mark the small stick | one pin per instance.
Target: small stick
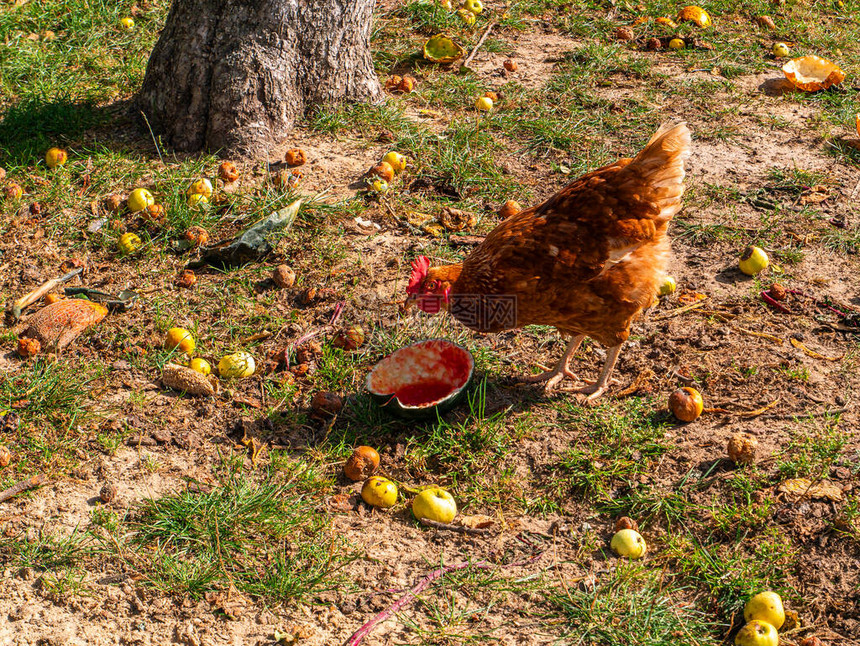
(455, 528)
(823, 413)
(680, 310)
(24, 485)
(478, 46)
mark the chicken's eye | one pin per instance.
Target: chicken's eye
(433, 285)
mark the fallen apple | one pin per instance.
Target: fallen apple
(284, 276)
(686, 404)
(668, 286)
(677, 43)
(129, 243)
(197, 236)
(228, 172)
(349, 338)
(475, 6)
(383, 170)
(395, 160)
(406, 85)
(379, 185)
(200, 365)
(484, 104)
(753, 261)
(197, 200)
(741, 448)
(237, 365)
(127, 23)
(178, 338)
(295, 157)
(629, 543)
(200, 187)
(56, 157)
(780, 50)
(379, 492)
(28, 347)
(13, 191)
(767, 607)
(326, 404)
(509, 208)
(139, 199)
(362, 464)
(186, 279)
(466, 16)
(757, 633)
(154, 214)
(510, 65)
(695, 14)
(434, 504)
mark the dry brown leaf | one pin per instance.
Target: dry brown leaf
(478, 521)
(815, 195)
(804, 487)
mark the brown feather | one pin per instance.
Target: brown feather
(589, 258)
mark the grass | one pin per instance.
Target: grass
(265, 540)
(631, 606)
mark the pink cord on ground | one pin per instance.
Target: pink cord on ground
(359, 635)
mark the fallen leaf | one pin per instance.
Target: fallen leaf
(804, 487)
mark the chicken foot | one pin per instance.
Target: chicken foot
(599, 387)
(562, 369)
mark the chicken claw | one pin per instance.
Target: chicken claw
(562, 369)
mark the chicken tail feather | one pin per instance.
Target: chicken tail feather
(659, 168)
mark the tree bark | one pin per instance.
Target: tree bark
(233, 75)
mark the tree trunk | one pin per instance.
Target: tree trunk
(235, 74)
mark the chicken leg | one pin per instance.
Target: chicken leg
(562, 369)
(596, 389)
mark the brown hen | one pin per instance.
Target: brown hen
(587, 261)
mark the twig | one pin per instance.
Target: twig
(822, 413)
(478, 46)
(677, 311)
(454, 528)
(24, 485)
(359, 635)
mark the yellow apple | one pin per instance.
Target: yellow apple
(379, 185)
(129, 243)
(179, 339)
(139, 199)
(780, 50)
(475, 6)
(676, 43)
(668, 286)
(753, 261)
(237, 365)
(395, 160)
(757, 633)
(197, 200)
(127, 23)
(200, 365)
(434, 504)
(201, 187)
(629, 543)
(484, 104)
(466, 16)
(56, 157)
(767, 607)
(379, 492)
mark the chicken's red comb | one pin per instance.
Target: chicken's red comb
(419, 271)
